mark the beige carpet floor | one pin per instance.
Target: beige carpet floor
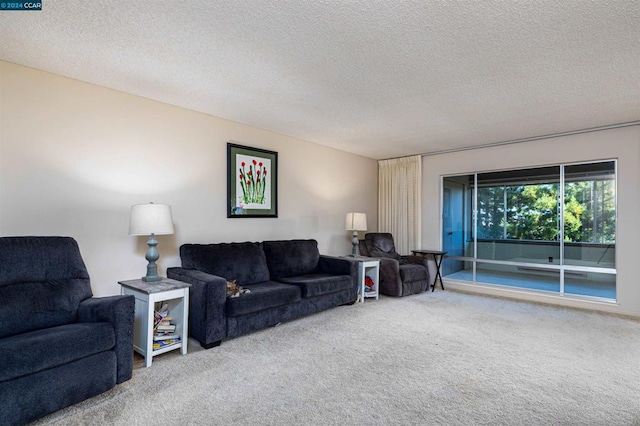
(442, 358)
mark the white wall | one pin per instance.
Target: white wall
(75, 157)
(622, 144)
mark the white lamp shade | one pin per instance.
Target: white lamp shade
(147, 219)
(355, 222)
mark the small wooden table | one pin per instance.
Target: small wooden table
(438, 256)
(176, 295)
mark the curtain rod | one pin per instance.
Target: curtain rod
(536, 138)
(529, 139)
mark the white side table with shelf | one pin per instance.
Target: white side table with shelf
(172, 292)
(368, 268)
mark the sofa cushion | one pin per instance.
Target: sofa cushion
(29, 306)
(312, 285)
(42, 281)
(290, 258)
(412, 272)
(40, 259)
(28, 398)
(243, 262)
(268, 294)
(39, 350)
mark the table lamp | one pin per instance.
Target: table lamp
(151, 219)
(355, 222)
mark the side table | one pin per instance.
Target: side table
(368, 268)
(438, 256)
(176, 295)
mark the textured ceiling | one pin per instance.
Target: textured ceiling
(377, 78)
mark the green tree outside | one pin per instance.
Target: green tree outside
(531, 212)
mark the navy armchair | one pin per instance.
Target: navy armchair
(58, 345)
(399, 275)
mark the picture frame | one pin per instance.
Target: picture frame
(252, 182)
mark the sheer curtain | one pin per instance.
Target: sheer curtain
(399, 201)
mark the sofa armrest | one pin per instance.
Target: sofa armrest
(341, 266)
(119, 311)
(207, 302)
(338, 265)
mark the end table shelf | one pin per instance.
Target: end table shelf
(172, 292)
(368, 269)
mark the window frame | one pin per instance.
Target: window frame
(562, 267)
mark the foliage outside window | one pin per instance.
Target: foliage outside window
(590, 212)
(530, 211)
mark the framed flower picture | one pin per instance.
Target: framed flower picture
(252, 182)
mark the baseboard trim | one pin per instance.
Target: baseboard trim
(539, 297)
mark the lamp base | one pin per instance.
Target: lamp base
(354, 242)
(152, 279)
(152, 256)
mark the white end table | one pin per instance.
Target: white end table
(368, 268)
(176, 295)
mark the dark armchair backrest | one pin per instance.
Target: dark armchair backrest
(42, 282)
(380, 244)
(362, 248)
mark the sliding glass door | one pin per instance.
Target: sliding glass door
(590, 229)
(457, 236)
(545, 228)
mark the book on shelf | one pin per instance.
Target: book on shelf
(159, 344)
(164, 309)
(157, 337)
(161, 318)
(161, 312)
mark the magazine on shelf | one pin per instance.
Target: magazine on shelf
(159, 344)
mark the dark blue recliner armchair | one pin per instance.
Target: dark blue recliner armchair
(58, 345)
(399, 275)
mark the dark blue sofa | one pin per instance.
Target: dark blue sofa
(58, 345)
(287, 279)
